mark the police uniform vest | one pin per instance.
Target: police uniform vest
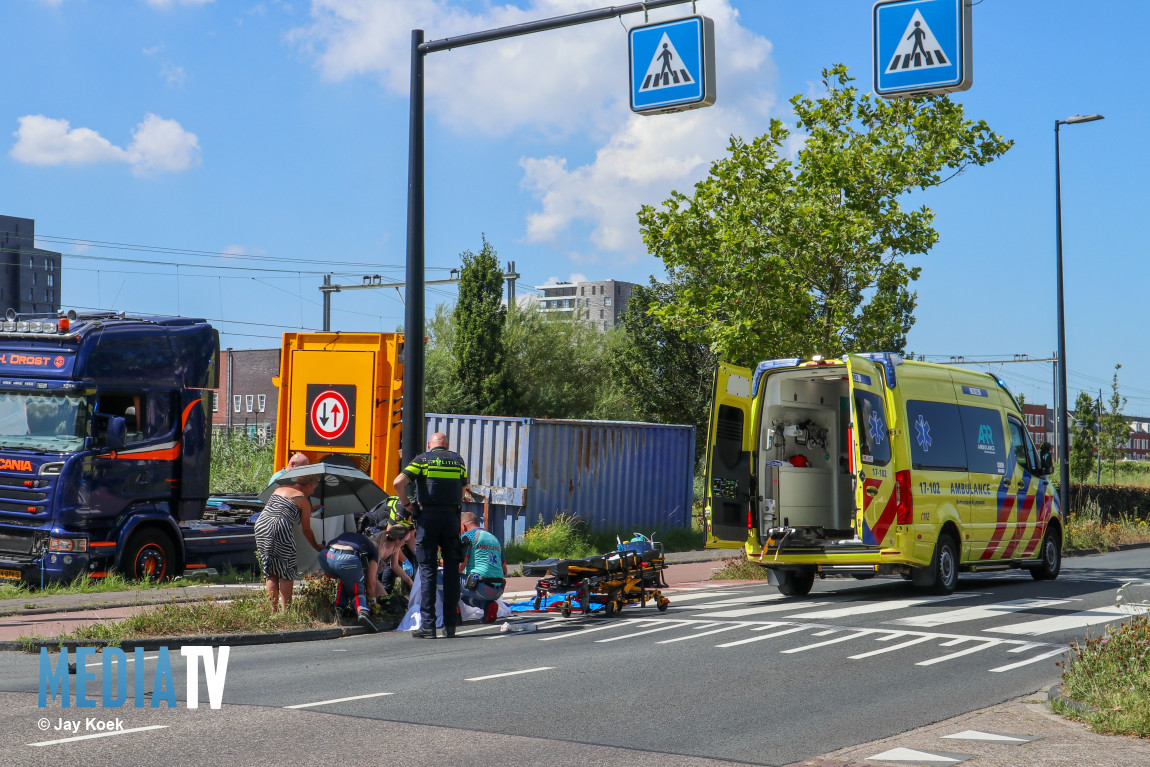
(439, 476)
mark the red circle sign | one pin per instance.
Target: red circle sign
(329, 415)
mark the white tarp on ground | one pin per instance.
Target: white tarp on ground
(412, 618)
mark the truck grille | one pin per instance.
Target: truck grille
(16, 542)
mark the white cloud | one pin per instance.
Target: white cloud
(158, 145)
(165, 4)
(41, 140)
(234, 251)
(560, 84)
(172, 74)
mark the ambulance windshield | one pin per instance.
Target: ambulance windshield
(43, 421)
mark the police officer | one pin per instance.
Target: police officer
(441, 484)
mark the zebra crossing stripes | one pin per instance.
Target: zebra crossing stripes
(817, 645)
(1068, 622)
(986, 645)
(981, 612)
(762, 637)
(892, 648)
(743, 612)
(878, 607)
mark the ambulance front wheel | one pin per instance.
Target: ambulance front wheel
(1051, 562)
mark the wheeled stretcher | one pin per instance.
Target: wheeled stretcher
(611, 580)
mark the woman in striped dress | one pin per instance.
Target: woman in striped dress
(275, 537)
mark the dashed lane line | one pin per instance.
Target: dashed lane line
(98, 735)
(509, 673)
(340, 700)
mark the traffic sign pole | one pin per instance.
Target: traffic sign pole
(414, 354)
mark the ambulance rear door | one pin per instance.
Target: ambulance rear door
(731, 443)
(870, 452)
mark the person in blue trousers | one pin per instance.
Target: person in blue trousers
(353, 560)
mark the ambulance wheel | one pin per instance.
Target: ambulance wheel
(798, 583)
(149, 556)
(1051, 562)
(944, 565)
(565, 610)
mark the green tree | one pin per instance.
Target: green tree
(1115, 432)
(773, 257)
(664, 377)
(1084, 443)
(478, 347)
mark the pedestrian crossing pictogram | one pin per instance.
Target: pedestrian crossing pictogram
(666, 68)
(919, 48)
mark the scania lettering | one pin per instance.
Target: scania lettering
(874, 465)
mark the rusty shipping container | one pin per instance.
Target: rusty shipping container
(630, 477)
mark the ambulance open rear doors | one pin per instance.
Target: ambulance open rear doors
(733, 440)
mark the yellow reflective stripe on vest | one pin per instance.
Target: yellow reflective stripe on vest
(451, 472)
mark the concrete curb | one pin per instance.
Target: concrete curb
(114, 605)
(1055, 693)
(215, 640)
(1119, 547)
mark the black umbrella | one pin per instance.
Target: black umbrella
(342, 489)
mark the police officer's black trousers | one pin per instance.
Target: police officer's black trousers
(438, 529)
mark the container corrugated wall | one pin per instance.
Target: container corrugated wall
(616, 475)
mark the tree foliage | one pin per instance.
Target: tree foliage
(1085, 438)
(478, 347)
(1114, 432)
(665, 377)
(773, 257)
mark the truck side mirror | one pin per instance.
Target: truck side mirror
(117, 433)
(1045, 459)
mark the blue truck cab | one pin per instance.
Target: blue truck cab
(105, 442)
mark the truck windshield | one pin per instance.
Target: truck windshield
(43, 421)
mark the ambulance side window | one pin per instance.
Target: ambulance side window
(870, 422)
(936, 437)
(1021, 445)
(729, 436)
(985, 449)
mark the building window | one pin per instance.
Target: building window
(237, 403)
(261, 402)
(31, 262)
(33, 278)
(215, 402)
(250, 401)
(51, 282)
(582, 290)
(49, 265)
(31, 297)
(607, 301)
(50, 296)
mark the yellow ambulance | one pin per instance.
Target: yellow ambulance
(874, 465)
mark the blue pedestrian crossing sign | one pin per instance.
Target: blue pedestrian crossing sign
(672, 65)
(921, 47)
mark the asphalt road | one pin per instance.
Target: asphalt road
(728, 673)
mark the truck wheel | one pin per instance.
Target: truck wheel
(797, 583)
(944, 566)
(149, 555)
(1051, 562)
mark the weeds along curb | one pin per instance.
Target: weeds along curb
(223, 597)
(214, 640)
(1119, 547)
(1055, 694)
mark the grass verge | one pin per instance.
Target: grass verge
(740, 569)
(1111, 672)
(116, 582)
(567, 536)
(1085, 531)
(246, 615)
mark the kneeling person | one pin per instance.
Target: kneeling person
(353, 560)
(483, 570)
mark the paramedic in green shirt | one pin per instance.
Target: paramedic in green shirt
(483, 572)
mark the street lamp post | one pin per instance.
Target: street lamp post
(1063, 429)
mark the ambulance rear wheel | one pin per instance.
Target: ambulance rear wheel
(945, 565)
(798, 583)
(1051, 562)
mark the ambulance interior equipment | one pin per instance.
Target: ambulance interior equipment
(806, 413)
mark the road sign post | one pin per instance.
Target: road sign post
(672, 65)
(921, 47)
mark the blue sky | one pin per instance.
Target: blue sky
(259, 144)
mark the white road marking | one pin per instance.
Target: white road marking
(764, 636)
(1025, 646)
(741, 600)
(509, 673)
(757, 610)
(581, 632)
(890, 636)
(892, 648)
(878, 607)
(960, 653)
(989, 737)
(670, 625)
(1068, 622)
(981, 612)
(99, 735)
(848, 637)
(953, 642)
(1028, 661)
(824, 633)
(340, 700)
(918, 757)
(728, 627)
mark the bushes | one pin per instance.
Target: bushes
(240, 464)
(1114, 502)
(565, 536)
